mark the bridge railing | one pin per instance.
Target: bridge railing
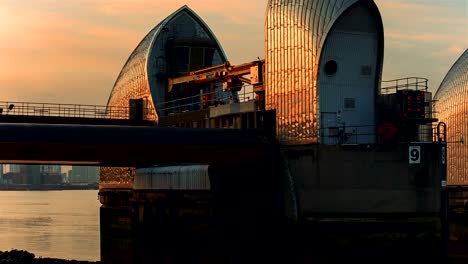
(62, 110)
(408, 83)
(205, 100)
(353, 134)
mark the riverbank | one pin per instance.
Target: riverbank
(48, 187)
(24, 257)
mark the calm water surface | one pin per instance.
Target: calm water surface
(56, 224)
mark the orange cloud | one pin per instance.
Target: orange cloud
(72, 51)
(450, 51)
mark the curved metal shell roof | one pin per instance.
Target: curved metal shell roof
(451, 107)
(458, 72)
(138, 78)
(295, 33)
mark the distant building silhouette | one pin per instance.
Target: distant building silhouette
(51, 174)
(14, 168)
(83, 174)
(51, 169)
(33, 174)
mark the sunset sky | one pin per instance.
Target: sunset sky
(71, 51)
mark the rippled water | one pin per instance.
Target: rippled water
(57, 224)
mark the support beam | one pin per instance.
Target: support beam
(128, 146)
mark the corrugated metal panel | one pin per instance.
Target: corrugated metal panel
(192, 177)
(295, 32)
(451, 107)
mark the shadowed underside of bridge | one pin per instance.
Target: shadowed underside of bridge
(128, 146)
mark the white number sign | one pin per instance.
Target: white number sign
(414, 154)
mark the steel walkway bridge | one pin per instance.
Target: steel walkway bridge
(127, 145)
(45, 133)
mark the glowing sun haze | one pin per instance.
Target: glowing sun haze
(71, 51)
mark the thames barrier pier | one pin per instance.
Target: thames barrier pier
(351, 156)
(306, 156)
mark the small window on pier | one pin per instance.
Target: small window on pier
(331, 67)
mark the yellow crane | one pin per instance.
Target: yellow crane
(232, 76)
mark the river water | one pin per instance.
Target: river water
(56, 224)
(66, 224)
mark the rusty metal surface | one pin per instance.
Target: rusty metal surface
(116, 177)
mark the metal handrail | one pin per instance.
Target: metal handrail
(408, 83)
(14, 108)
(192, 103)
(428, 134)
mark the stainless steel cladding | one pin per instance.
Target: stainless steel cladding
(451, 107)
(193, 177)
(323, 68)
(180, 43)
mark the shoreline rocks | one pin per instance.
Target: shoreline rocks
(15, 256)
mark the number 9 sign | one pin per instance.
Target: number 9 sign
(414, 154)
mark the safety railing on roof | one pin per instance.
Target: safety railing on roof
(205, 100)
(342, 134)
(62, 110)
(192, 103)
(409, 83)
(357, 134)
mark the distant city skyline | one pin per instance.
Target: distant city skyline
(72, 51)
(72, 174)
